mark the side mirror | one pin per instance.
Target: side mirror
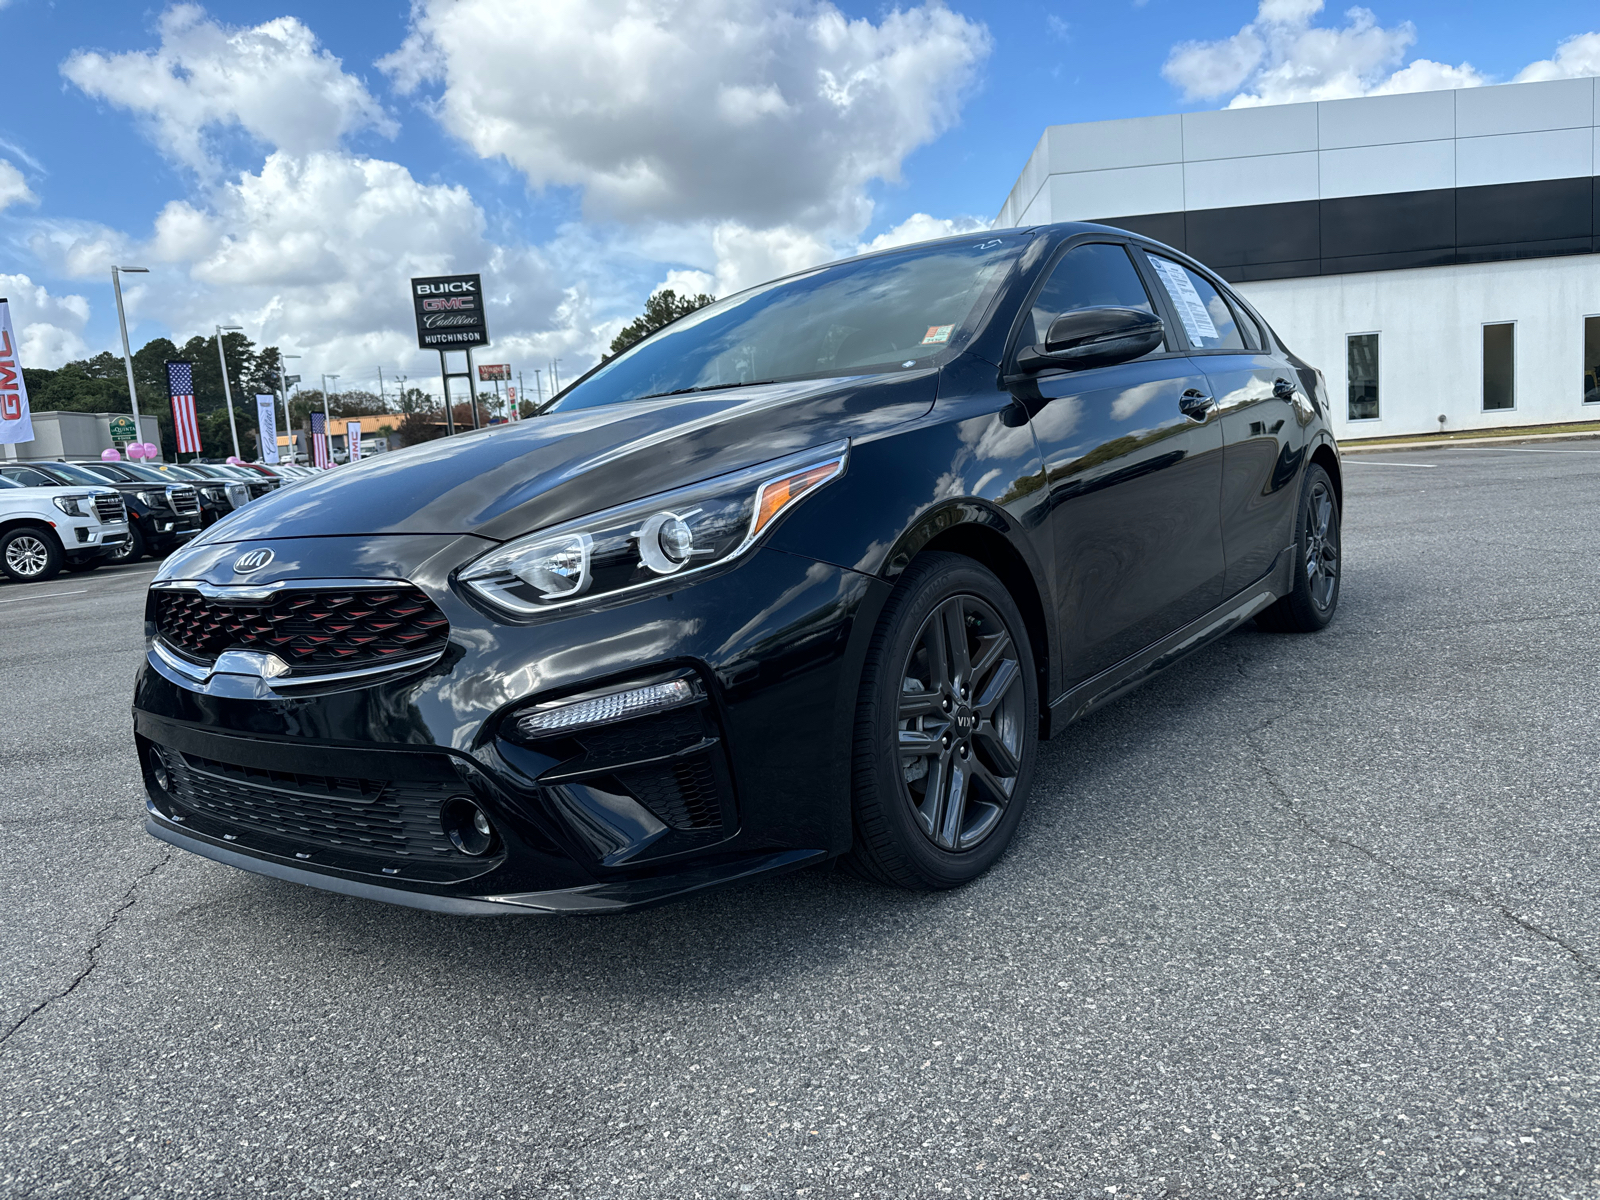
(1093, 337)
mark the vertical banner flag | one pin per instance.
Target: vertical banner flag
(180, 386)
(352, 438)
(16, 422)
(267, 423)
(319, 442)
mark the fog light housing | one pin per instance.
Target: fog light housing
(467, 826)
(605, 709)
(159, 772)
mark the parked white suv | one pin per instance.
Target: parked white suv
(43, 529)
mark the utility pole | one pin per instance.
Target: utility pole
(283, 386)
(127, 355)
(227, 388)
(538, 392)
(382, 399)
(327, 419)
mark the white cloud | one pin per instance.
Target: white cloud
(920, 227)
(1282, 57)
(715, 110)
(13, 187)
(49, 328)
(271, 80)
(1574, 58)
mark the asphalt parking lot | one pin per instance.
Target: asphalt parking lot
(1310, 916)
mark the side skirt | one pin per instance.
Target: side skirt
(1136, 669)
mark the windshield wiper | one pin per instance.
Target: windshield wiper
(710, 387)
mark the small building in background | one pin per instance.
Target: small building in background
(1434, 253)
(80, 435)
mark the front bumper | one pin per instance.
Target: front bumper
(343, 790)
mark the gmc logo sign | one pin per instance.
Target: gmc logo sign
(10, 393)
(450, 303)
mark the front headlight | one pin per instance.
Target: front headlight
(69, 505)
(633, 546)
(153, 499)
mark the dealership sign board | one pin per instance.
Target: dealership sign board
(491, 371)
(16, 422)
(267, 424)
(449, 312)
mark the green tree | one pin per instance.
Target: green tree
(661, 310)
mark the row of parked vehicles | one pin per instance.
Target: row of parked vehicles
(80, 515)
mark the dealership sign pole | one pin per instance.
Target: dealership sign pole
(267, 423)
(16, 421)
(450, 316)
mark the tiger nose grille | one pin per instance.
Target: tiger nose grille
(185, 501)
(354, 816)
(310, 630)
(109, 508)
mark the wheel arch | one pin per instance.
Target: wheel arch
(42, 524)
(980, 541)
(1327, 458)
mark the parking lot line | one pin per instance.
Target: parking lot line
(44, 596)
(1361, 462)
(1521, 450)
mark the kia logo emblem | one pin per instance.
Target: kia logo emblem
(253, 561)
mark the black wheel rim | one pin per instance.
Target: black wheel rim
(1322, 545)
(960, 731)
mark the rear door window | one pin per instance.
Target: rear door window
(1206, 317)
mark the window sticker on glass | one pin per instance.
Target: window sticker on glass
(1197, 322)
(937, 333)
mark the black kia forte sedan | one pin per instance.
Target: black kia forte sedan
(806, 574)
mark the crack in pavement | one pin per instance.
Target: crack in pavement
(129, 899)
(1289, 804)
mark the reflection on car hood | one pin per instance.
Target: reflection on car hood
(511, 479)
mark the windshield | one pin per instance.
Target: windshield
(887, 312)
(143, 473)
(77, 474)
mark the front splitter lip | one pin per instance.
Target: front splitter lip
(588, 900)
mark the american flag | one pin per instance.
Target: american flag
(319, 442)
(180, 386)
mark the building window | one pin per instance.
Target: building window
(1361, 371)
(1499, 366)
(1591, 360)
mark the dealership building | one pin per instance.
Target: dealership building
(1436, 254)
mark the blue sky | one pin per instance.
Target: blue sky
(955, 100)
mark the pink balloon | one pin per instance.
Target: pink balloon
(136, 450)
(151, 450)
(234, 460)
(110, 456)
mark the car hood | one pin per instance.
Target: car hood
(515, 478)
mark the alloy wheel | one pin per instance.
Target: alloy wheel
(960, 722)
(27, 556)
(1322, 545)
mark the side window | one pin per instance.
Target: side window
(1253, 335)
(1206, 317)
(29, 478)
(1091, 276)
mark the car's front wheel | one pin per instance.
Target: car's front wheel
(947, 728)
(130, 549)
(29, 555)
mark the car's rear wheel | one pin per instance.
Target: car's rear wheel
(29, 555)
(80, 565)
(1318, 561)
(947, 728)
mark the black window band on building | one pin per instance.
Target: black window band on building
(1447, 226)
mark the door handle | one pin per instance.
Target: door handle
(1283, 389)
(1195, 404)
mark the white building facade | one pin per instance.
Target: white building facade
(1436, 254)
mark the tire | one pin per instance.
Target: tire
(80, 565)
(920, 739)
(29, 554)
(1318, 561)
(129, 551)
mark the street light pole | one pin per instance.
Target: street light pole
(127, 354)
(283, 386)
(327, 418)
(227, 388)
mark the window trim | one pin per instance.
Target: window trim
(1582, 366)
(1377, 333)
(1483, 406)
